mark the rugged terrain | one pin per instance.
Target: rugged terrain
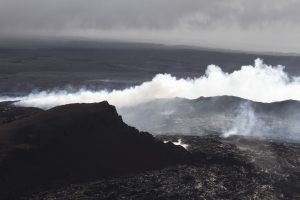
(10, 113)
(74, 143)
(179, 116)
(40, 160)
(233, 168)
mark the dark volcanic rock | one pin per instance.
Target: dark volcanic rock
(232, 168)
(76, 142)
(10, 113)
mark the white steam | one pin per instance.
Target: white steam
(245, 123)
(260, 125)
(179, 143)
(261, 83)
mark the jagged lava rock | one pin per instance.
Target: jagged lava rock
(77, 142)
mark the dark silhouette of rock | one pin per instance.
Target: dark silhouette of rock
(73, 143)
(10, 113)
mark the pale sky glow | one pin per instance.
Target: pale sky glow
(257, 25)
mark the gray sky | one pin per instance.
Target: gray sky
(256, 25)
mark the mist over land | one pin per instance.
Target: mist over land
(26, 70)
(133, 77)
(260, 82)
(257, 140)
(161, 99)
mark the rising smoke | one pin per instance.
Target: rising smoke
(261, 83)
(225, 116)
(245, 122)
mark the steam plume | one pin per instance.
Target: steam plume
(261, 83)
(249, 123)
(245, 122)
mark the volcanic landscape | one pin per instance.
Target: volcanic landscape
(93, 123)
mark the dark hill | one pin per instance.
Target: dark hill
(76, 142)
(10, 113)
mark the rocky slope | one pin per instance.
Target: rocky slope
(74, 143)
(86, 151)
(9, 112)
(233, 168)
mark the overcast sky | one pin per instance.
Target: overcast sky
(256, 25)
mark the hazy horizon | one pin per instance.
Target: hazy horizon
(258, 26)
